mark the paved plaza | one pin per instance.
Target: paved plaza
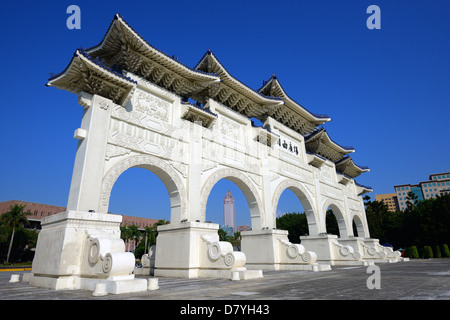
(413, 280)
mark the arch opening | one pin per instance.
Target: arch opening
(242, 187)
(335, 221)
(143, 201)
(162, 172)
(291, 216)
(227, 207)
(296, 196)
(358, 227)
(140, 193)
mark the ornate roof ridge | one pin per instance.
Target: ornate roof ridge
(199, 107)
(275, 79)
(348, 158)
(170, 59)
(365, 188)
(96, 61)
(118, 86)
(324, 131)
(228, 74)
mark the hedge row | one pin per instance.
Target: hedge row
(427, 252)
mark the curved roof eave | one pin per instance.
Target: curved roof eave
(322, 131)
(237, 84)
(94, 63)
(321, 119)
(175, 64)
(363, 189)
(349, 159)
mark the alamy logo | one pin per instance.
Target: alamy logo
(74, 20)
(374, 281)
(374, 21)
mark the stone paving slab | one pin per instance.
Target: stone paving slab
(413, 280)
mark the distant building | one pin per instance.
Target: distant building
(228, 230)
(243, 228)
(437, 185)
(37, 211)
(228, 211)
(390, 200)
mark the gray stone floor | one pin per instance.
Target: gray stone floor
(413, 280)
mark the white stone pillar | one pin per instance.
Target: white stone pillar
(321, 221)
(87, 174)
(364, 218)
(195, 171)
(348, 218)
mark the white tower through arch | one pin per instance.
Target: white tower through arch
(229, 218)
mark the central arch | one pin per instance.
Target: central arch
(161, 169)
(245, 185)
(302, 194)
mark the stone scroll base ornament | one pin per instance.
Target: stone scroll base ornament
(193, 250)
(278, 253)
(85, 250)
(331, 250)
(375, 252)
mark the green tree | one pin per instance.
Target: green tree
(236, 239)
(412, 252)
(128, 233)
(15, 218)
(428, 252)
(376, 213)
(147, 238)
(223, 236)
(295, 223)
(153, 234)
(331, 223)
(437, 252)
(411, 200)
(445, 251)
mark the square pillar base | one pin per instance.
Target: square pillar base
(193, 250)
(66, 259)
(270, 249)
(330, 250)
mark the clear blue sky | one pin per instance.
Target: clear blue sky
(387, 91)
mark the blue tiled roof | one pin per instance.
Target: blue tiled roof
(199, 107)
(317, 155)
(96, 61)
(363, 186)
(312, 134)
(347, 158)
(117, 16)
(274, 77)
(209, 52)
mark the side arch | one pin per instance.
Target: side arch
(161, 169)
(307, 202)
(247, 187)
(340, 215)
(360, 227)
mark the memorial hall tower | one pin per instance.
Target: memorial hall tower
(228, 211)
